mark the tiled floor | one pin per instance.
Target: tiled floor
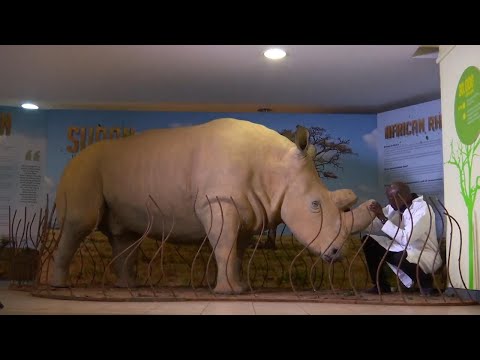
(22, 303)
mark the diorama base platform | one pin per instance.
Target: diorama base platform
(147, 294)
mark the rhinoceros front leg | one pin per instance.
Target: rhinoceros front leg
(228, 251)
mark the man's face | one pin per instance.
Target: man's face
(394, 199)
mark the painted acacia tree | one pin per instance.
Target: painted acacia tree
(329, 150)
(462, 159)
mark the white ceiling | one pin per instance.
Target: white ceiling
(312, 78)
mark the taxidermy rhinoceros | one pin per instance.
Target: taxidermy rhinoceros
(226, 178)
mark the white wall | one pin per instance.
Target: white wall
(453, 61)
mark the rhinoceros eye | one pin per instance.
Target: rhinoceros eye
(315, 206)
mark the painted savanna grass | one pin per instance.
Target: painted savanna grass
(267, 269)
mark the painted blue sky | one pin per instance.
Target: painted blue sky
(27, 122)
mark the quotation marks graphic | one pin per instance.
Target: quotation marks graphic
(35, 157)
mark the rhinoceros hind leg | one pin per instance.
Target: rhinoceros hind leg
(72, 236)
(124, 264)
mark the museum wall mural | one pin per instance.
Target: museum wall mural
(347, 144)
(23, 158)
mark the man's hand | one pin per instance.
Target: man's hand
(376, 208)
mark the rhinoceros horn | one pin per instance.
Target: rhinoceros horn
(361, 215)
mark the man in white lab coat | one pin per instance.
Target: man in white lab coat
(406, 224)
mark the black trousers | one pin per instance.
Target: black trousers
(374, 253)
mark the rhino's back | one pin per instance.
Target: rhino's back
(172, 166)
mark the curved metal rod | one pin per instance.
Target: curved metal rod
(450, 250)
(450, 217)
(41, 250)
(459, 261)
(404, 252)
(10, 229)
(177, 250)
(440, 215)
(160, 249)
(253, 254)
(266, 263)
(216, 243)
(16, 237)
(239, 226)
(138, 243)
(342, 245)
(30, 231)
(79, 275)
(99, 255)
(9, 224)
(305, 247)
(330, 265)
(124, 251)
(284, 250)
(292, 245)
(52, 247)
(344, 272)
(41, 218)
(357, 253)
(440, 242)
(382, 261)
(25, 226)
(421, 252)
(201, 257)
(89, 237)
(201, 245)
(55, 240)
(279, 261)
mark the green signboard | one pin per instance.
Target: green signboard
(467, 105)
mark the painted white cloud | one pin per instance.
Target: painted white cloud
(174, 125)
(366, 189)
(21, 149)
(372, 138)
(23, 142)
(49, 184)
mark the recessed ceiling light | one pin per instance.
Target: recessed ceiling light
(275, 54)
(29, 106)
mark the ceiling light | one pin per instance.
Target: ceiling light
(29, 106)
(275, 54)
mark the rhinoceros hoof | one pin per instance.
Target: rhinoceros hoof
(229, 289)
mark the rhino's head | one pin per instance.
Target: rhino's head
(318, 218)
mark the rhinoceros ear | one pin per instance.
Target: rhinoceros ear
(301, 139)
(312, 151)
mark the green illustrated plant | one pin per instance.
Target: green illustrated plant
(462, 159)
(467, 125)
